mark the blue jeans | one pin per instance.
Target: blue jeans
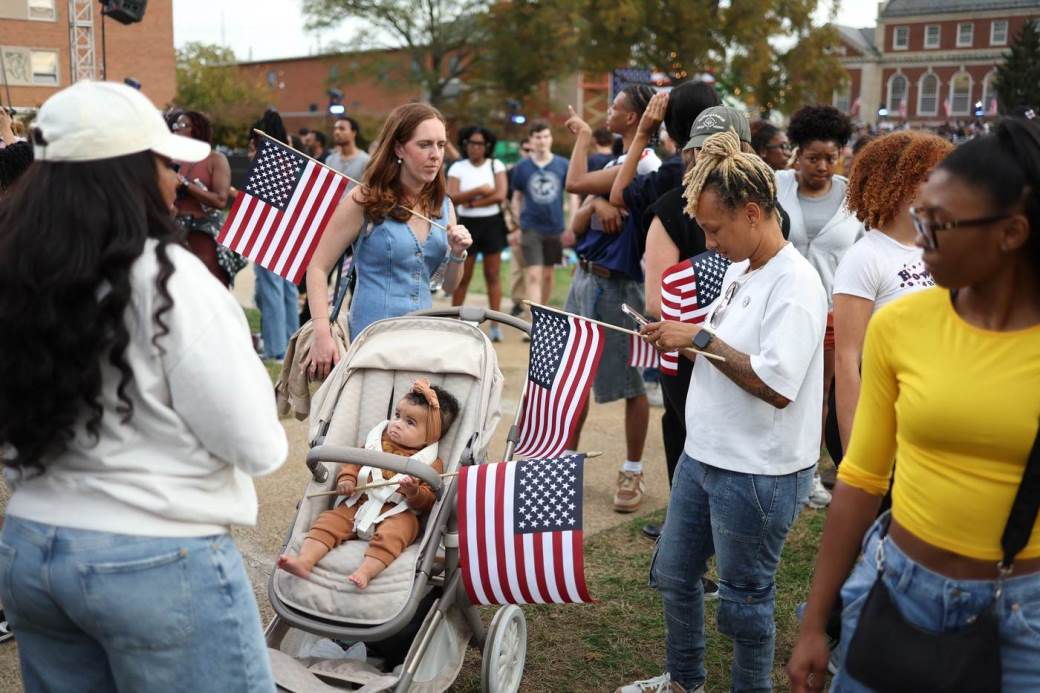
(278, 301)
(743, 520)
(937, 603)
(94, 611)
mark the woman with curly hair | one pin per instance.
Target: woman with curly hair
(822, 228)
(133, 413)
(477, 184)
(395, 252)
(950, 403)
(885, 264)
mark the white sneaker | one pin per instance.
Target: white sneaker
(819, 497)
(653, 394)
(658, 684)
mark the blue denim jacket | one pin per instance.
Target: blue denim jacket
(394, 271)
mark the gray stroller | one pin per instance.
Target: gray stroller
(408, 631)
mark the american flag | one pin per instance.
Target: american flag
(520, 532)
(279, 216)
(565, 351)
(641, 354)
(687, 291)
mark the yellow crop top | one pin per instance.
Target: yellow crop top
(957, 407)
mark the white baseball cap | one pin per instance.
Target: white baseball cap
(102, 120)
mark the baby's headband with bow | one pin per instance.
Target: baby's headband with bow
(433, 414)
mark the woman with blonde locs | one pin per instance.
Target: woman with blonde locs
(752, 424)
(395, 251)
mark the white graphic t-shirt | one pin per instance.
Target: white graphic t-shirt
(881, 270)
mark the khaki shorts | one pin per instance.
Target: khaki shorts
(541, 250)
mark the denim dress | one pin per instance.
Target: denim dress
(394, 271)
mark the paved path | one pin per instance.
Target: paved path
(279, 492)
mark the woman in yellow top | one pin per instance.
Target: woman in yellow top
(951, 390)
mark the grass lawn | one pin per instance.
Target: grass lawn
(561, 284)
(598, 647)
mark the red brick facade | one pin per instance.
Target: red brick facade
(929, 68)
(143, 51)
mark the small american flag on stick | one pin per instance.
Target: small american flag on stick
(282, 211)
(520, 532)
(687, 291)
(565, 352)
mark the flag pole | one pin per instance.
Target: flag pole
(381, 484)
(352, 180)
(616, 328)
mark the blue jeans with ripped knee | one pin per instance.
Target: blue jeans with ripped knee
(743, 520)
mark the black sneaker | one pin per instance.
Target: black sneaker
(517, 310)
(652, 531)
(711, 589)
(5, 630)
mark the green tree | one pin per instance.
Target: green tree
(767, 53)
(209, 82)
(1018, 79)
(443, 37)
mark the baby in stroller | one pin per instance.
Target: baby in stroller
(386, 516)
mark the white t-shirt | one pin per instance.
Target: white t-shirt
(777, 317)
(204, 422)
(881, 269)
(471, 177)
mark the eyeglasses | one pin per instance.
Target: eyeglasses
(180, 126)
(478, 143)
(720, 311)
(927, 228)
(785, 147)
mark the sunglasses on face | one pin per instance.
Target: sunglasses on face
(928, 228)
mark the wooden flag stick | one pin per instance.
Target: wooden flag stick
(618, 329)
(352, 180)
(447, 475)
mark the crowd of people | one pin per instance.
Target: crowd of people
(880, 299)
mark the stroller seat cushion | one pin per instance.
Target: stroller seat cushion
(327, 593)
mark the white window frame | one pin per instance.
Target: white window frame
(971, 39)
(888, 95)
(57, 68)
(43, 5)
(896, 46)
(920, 95)
(988, 90)
(969, 111)
(993, 31)
(842, 96)
(938, 35)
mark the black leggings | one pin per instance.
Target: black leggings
(673, 420)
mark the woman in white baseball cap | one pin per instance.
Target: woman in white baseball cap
(133, 413)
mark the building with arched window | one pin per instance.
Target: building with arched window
(929, 61)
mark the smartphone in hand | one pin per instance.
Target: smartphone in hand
(634, 314)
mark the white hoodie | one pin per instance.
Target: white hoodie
(204, 422)
(826, 250)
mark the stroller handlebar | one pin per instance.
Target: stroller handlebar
(372, 458)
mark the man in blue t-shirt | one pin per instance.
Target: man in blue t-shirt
(538, 191)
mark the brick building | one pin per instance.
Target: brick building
(49, 44)
(929, 61)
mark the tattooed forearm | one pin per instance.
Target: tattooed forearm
(737, 367)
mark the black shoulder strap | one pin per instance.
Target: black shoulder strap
(1023, 511)
(343, 282)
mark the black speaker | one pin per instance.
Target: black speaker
(124, 11)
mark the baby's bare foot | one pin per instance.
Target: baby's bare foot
(359, 579)
(294, 565)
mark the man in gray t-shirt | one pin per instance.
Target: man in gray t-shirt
(347, 158)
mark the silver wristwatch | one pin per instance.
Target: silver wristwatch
(458, 258)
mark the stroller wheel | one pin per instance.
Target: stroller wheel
(505, 651)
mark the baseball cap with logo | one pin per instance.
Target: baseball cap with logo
(715, 120)
(103, 120)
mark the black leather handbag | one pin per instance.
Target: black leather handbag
(891, 655)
